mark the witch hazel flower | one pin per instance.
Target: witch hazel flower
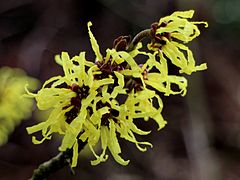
(121, 66)
(69, 97)
(86, 104)
(167, 35)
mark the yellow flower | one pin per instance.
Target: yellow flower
(68, 96)
(13, 106)
(168, 32)
(121, 66)
(109, 119)
(84, 103)
(129, 76)
(159, 79)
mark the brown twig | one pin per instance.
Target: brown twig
(56, 163)
(141, 35)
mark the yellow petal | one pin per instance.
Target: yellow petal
(94, 44)
(50, 97)
(184, 14)
(113, 145)
(115, 56)
(75, 154)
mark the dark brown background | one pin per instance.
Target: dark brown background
(202, 138)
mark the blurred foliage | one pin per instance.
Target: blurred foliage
(13, 106)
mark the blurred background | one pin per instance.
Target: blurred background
(202, 138)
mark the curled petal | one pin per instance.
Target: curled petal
(94, 44)
(50, 97)
(75, 154)
(113, 145)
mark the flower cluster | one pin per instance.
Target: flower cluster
(87, 101)
(171, 29)
(13, 107)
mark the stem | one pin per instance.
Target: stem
(56, 163)
(143, 34)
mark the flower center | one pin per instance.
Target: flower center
(82, 93)
(107, 68)
(111, 115)
(135, 83)
(157, 39)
